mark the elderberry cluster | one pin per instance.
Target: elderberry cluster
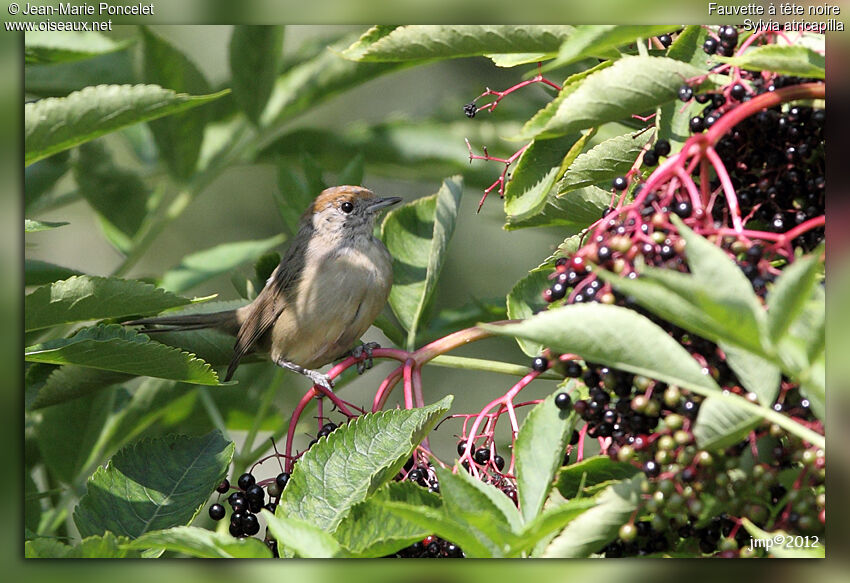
(431, 547)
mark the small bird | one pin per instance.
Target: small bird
(327, 290)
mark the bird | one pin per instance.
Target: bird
(329, 287)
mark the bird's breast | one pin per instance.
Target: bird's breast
(340, 294)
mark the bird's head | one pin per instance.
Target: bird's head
(350, 210)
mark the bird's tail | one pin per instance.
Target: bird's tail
(225, 321)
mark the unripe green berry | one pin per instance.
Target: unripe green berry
(674, 422)
(625, 454)
(704, 459)
(666, 442)
(628, 532)
(672, 396)
(682, 437)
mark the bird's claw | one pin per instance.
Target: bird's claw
(322, 380)
(358, 352)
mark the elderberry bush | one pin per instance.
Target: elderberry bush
(670, 394)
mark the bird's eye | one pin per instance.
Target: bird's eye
(346, 207)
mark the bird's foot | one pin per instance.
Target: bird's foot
(317, 377)
(358, 352)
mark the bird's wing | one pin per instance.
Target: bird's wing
(265, 310)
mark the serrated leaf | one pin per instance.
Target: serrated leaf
(118, 194)
(31, 226)
(785, 60)
(603, 97)
(178, 137)
(152, 485)
(40, 179)
(597, 526)
(552, 520)
(720, 424)
(447, 527)
(465, 503)
(789, 294)
(576, 210)
(123, 350)
(606, 160)
(417, 235)
(316, 80)
(524, 300)
(756, 374)
(41, 272)
(782, 543)
(46, 548)
(416, 42)
(201, 266)
(688, 46)
(88, 297)
(68, 433)
(64, 383)
(370, 530)
(508, 60)
(353, 462)
(256, 55)
(589, 472)
(614, 336)
(303, 538)
(202, 543)
(539, 449)
(55, 124)
(539, 167)
(64, 46)
(590, 40)
(508, 515)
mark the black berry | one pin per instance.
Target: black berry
(246, 480)
(217, 512)
(563, 401)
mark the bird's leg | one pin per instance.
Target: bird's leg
(317, 377)
(365, 348)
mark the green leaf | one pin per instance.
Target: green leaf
(720, 424)
(485, 521)
(450, 320)
(589, 472)
(256, 55)
(316, 80)
(406, 43)
(789, 294)
(46, 548)
(608, 159)
(178, 137)
(304, 538)
(32, 501)
(291, 196)
(353, 171)
(785, 60)
(41, 178)
(41, 272)
(599, 525)
(61, 46)
(202, 543)
(154, 484)
(525, 299)
(552, 520)
(107, 546)
(539, 449)
(596, 40)
(118, 194)
(371, 530)
(31, 226)
(63, 383)
(515, 59)
(447, 527)
(756, 374)
(614, 336)
(781, 543)
(55, 124)
(417, 235)
(539, 167)
(688, 47)
(87, 297)
(353, 462)
(603, 96)
(203, 265)
(68, 434)
(120, 349)
(577, 210)
(60, 79)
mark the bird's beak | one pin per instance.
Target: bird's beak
(382, 203)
